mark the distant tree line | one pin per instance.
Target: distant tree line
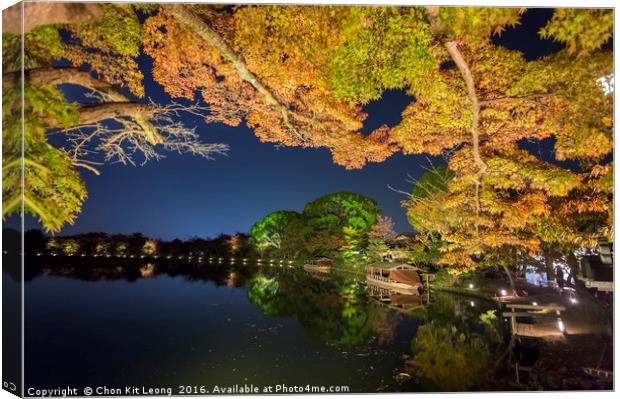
(136, 244)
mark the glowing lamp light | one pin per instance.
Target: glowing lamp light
(472, 304)
(534, 303)
(503, 293)
(573, 300)
(471, 286)
(561, 325)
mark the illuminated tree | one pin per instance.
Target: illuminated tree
(503, 203)
(341, 218)
(70, 246)
(102, 248)
(238, 61)
(274, 230)
(378, 237)
(112, 126)
(150, 247)
(383, 229)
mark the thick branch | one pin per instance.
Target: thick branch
(91, 114)
(39, 13)
(94, 113)
(54, 76)
(186, 17)
(441, 31)
(444, 35)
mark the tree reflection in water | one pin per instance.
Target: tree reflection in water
(452, 347)
(333, 311)
(455, 349)
(263, 291)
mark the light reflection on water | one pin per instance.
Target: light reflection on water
(171, 325)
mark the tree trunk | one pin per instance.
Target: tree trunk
(38, 14)
(573, 264)
(513, 286)
(549, 258)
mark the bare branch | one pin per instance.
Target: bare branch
(126, 130)
(400, 191)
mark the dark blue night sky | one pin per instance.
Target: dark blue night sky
(183, 196)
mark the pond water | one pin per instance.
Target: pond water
(160, 326)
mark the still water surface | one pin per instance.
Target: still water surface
(230, 325)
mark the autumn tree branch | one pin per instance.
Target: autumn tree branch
(185, 16)
(439, 30)
(531, 97)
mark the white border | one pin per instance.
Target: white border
(501, 3)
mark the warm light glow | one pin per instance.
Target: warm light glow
(535, 303)
(503, 293)
(471, 286)
(561, 325)
(606, 83)
(573, 300)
